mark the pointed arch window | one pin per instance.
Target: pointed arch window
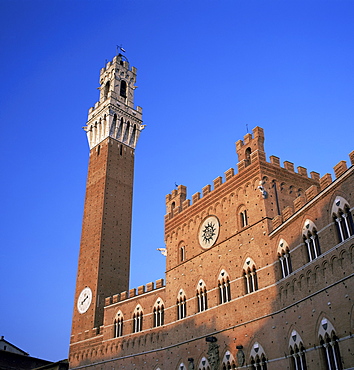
(258, 358)
(343, 219)
(228, 361)
(224, 287)
(181, 305)
(118, 325)
(159, 315)
(250, 276)
(329, 344)
(311, 241)
(123, 89)
(202, 297)
(243, 218)
(297, 352)
(182, 253)
(284, 258)
(137, 319)
(204, 364)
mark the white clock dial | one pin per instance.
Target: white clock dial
(84, 300)
(208, 232)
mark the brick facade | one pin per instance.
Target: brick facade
(259, 274)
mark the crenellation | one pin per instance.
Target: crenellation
(277, 221)
(115, 298)
(263, 244)
(247, 139)
(287, 212)
(123, 295)
(186, 204)
(229, 174)
(195, 197)
(315, 176)
(340, 168)
(351, 157)
(275, 160)
(325, 180)
(175, 199)
(206, 190)
(289, 166)
(257, 155)
(302, 171)
(299, 202)
(159, 283)
(311, 192)
(217, 182)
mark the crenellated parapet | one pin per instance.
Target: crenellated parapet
(310, 193)
(177, 202)
(134, 292)
(250, 149)
(114, 114)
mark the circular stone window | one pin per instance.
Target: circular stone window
(208, 232)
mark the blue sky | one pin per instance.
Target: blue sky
(207, 70)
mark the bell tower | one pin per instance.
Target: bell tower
(113, 129)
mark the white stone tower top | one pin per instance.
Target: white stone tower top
(114, 114)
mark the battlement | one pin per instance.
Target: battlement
(142, 289)
(251, 148)
(118, 60)
(310, 193)
(177, 202)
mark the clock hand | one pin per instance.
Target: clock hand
(84, 300)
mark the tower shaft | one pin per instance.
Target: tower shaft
(112, 129)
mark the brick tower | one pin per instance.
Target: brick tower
(113, 130)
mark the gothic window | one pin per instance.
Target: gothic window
(204, 364)
(258, 363)
(224, 287)
(118, 325)
(243, 217)
(284, 258)
(202, 296)
(250, 276)
(329, 343)
(297, 352)
(123, 89)
(258, 358)
(228, 361)
(181, 305)
(311, 241)
(158, 313)
(343, 219)
(182, 253)
(137, 319)
(248, 156)
(106, 90)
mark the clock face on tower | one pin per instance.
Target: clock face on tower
(208, 232)
(84, 300)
